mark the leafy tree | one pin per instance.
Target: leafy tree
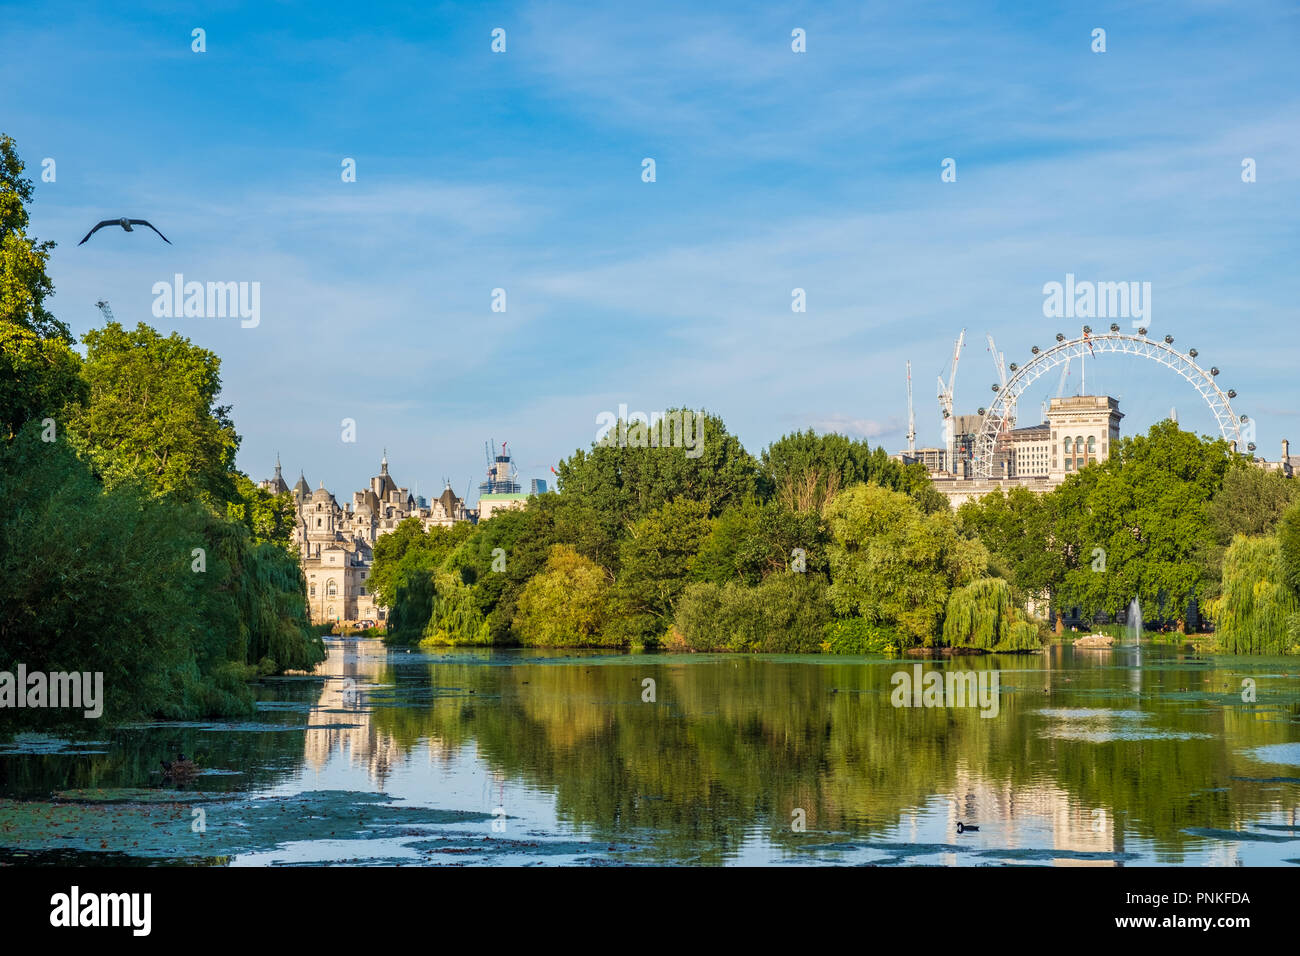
(39, 377)
(389, 550)
(1133, 526)
(410, 608)
(454, 617)
(892, 564)
(1288, 536)
(1251, 502)
(268, 517)
(152, 416)
(565, 605)
(621, 485)
(1017, 529)
(24, 281)
(803, 470)
(1259, 612)
(753, 539)
(983, 615)
(655, 563)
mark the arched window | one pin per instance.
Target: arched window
(1092, 446)
(1067, 444)
(313, 590)
(331, 589)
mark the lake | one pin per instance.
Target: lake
(1135, 755)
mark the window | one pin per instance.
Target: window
(331, 589)
(1092, 446)
(313, 590)
(1067, 446)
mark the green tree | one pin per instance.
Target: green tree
(802, 470)
(983, 615)
(1017, 528)
(1288, 535)
(152, 417)
(1258, 612)
(38, 378)
(753, 539)
(1250, 502)
(24, 281)
(389, 550)
(268, 517)
(564, 605)
(892, 564)
(621, 485)
(654, 567)
(1134, 525)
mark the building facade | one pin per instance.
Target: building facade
(1079, 431)
(336, 542)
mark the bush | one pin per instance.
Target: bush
(786, 613)
(855, 635)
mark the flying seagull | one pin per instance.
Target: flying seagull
(125, 224)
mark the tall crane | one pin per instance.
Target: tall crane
(1000, 361)
(1060, 387)
(911, 418)
(945, 402)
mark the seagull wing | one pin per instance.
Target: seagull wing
(106, 222)
(145, 222)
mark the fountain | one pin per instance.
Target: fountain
(1135, 621)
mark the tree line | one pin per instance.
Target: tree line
(823, 543)
(129, 542)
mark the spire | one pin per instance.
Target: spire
(383, 463)
(277, 465)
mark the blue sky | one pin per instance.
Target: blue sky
(775, 170)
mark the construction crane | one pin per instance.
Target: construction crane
(911, 418)
(102, 305)
(1060, 388)
(1000, 361)
(945, 401)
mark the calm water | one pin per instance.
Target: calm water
(1100, 757)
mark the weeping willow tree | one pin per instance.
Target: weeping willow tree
(983, 615)
(413, 596)
(265, 598)
(1258, 612)
(454, 617)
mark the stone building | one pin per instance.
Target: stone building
(336, 542)
(1079, 430)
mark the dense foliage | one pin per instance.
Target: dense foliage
(129, 544)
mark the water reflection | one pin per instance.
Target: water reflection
(1091, 759)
